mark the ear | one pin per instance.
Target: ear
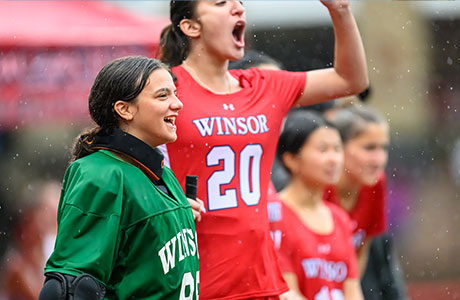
(190, 28)
(290, 162)
(125, 110)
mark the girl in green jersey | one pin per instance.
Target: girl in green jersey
(125, 227)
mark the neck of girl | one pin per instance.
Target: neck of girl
(298, 193)
(211, 72)
(348, 192)
(207, 66)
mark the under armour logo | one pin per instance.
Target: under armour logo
(324, 248)
(228, 106)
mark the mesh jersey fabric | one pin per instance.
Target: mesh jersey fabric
(116, 225)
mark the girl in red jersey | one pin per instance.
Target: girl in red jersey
(312, 236)
(361, 188)
(361, 191)
(228, 131)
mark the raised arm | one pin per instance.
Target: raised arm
(349, 74)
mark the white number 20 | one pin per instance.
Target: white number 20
(249, 169)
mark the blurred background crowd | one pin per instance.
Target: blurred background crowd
(51, 51)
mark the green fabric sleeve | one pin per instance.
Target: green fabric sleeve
(88, 224)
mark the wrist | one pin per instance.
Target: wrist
(339, 10)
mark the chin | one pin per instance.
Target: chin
(172, 138)
(330, 181)
(241, 54)
(371, 180)
(166, 139)
(237, 56)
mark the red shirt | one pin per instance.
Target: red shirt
(229, 141)
(368, 215)
(321, 262)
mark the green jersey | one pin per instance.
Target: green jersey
(116, 225)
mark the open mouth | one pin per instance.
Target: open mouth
(331, 172)
(238, 33)
(171, 121)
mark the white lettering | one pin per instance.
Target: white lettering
(191, 242)
(230, 124)
(185, 242)
(227, 126)
(274, 211)
(341, 271)
(187, 281)
(219, 125)
(170, 260)
(179, 240)
(197, 284)
(263, 123)
(276, 237)
(203, 126)
(241, 123)
(186, 246)
(327, 270)
(311, 267)
(256, 125)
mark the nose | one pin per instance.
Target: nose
(336, 158)
(176, 104)
(380, 158)
(237, 8)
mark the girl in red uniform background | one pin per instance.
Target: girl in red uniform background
(362, 192)
(228, 131)
(312, 236)
(361, 188)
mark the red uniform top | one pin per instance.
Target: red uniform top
(368, 215)
(321, 262)
(229, 141)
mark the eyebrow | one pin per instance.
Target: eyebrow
(163, 90)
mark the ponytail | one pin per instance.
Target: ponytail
(174, 46)
(82, 143)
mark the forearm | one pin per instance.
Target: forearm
(363, 256)
(349, 74)
(352, 289)
(349, 56)
(291, 280)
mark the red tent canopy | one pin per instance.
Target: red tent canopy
(51, 51)
(74, 23)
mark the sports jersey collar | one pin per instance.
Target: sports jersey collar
(149, 160)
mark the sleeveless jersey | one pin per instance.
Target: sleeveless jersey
(116, 225)
(229, 142)
(368, 215)
(321, 262)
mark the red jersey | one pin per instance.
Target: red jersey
(368, 215)
(321, 262)
(229, 141)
